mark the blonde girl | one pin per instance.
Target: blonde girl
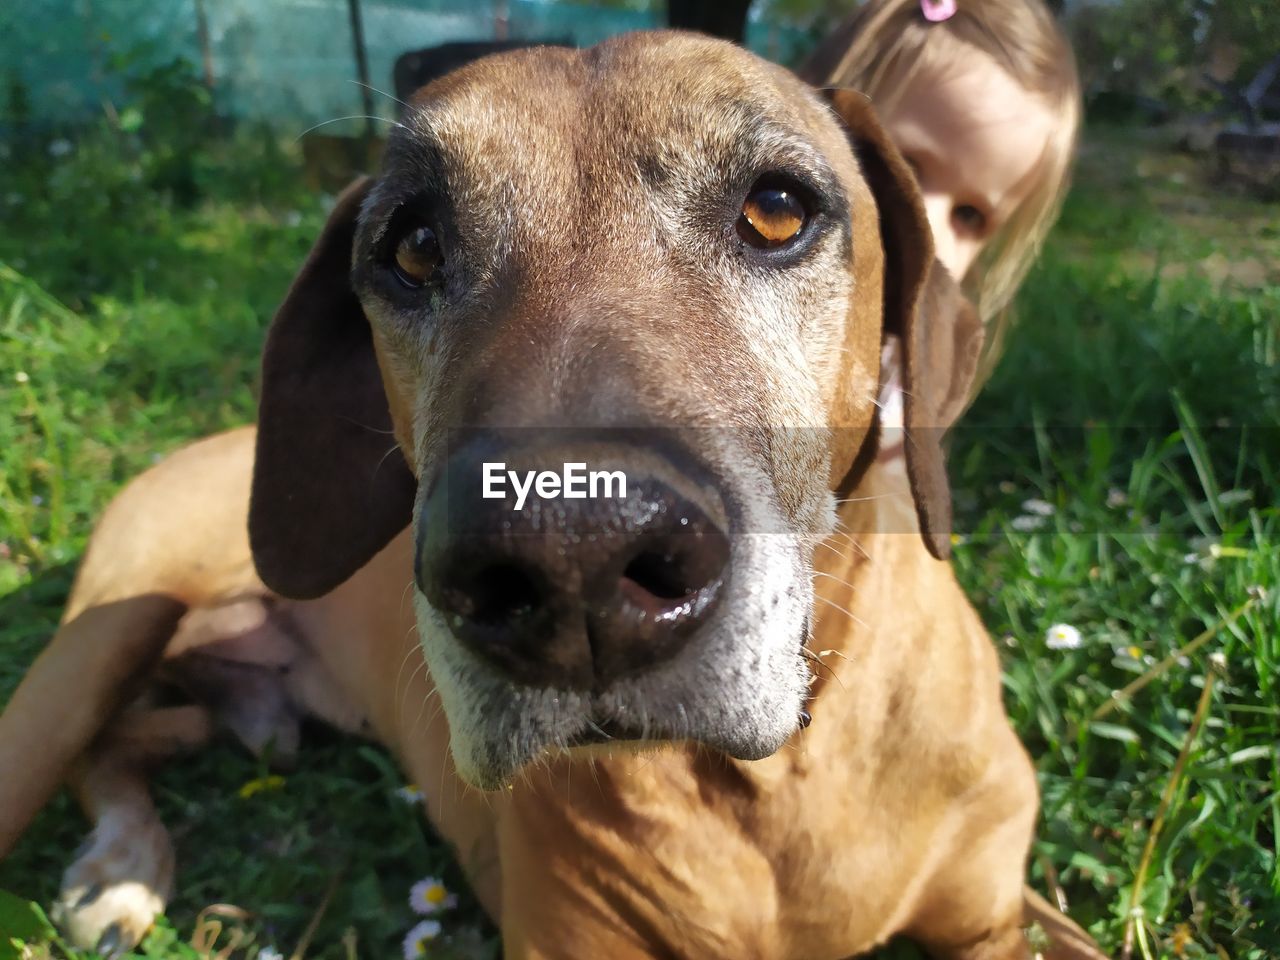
(983, 99)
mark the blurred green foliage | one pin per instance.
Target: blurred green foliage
(1162, 48)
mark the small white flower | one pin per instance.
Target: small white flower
(1201, 545)
(1027, 523)
(1063, 636)
(431, 896)
(1040, 508)
(1230, 498)
(22, 376)
(1116, 498)
(409, 793)
(1131, 653)
(270, 953)
(416, 940)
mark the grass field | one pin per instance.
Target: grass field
(1119, 475)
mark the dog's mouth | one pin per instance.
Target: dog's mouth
(602, 732)
(738, 687)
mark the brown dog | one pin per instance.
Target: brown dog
(661, 257)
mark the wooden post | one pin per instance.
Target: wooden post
(206, 51)
(720, 18)
(501, 19)
(362, 71)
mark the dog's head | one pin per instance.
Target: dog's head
(662, 258)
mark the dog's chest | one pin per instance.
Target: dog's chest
(776, 864)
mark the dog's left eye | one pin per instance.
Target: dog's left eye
(417, 257)
(771, 217)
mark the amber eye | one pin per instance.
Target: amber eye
(417, 257)
(771, 216)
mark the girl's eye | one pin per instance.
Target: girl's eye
(418, 257)
(771, 217)
(970, 219)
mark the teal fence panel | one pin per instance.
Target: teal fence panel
(287, 62)
(63, 59)
(582, 24)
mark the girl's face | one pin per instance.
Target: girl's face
(975, 138)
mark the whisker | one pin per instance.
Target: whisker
(370, 86)
(878, 496)
(395, 689)
(848, 537)
(354, 116)
(385, 456)
(813, 658)
(836, 606)
(366, 427)
(420, 668)
(832, 576)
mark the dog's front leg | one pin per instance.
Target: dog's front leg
(123, 875)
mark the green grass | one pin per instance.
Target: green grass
(1139, 398)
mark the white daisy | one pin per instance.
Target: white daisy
(431, 896)
(409, 794)
(270, 953)
(416, 940)
(1063, 636)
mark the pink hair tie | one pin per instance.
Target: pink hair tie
(936, 11)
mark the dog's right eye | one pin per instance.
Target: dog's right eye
(417, 257)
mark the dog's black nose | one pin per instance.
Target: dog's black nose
(572, 591)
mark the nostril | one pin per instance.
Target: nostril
(660, 574)
(675, 573)
(668, 587)
(494, 594)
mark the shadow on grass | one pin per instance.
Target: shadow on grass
(334, 826)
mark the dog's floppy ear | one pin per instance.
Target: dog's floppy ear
(939, 330)
(330, 487)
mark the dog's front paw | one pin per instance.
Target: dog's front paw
(113, 892)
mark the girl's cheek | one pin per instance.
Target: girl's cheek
(947, 245)
(965, 250)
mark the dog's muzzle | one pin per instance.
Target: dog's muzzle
(573, 592)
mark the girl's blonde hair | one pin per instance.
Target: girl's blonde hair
(884, 44)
